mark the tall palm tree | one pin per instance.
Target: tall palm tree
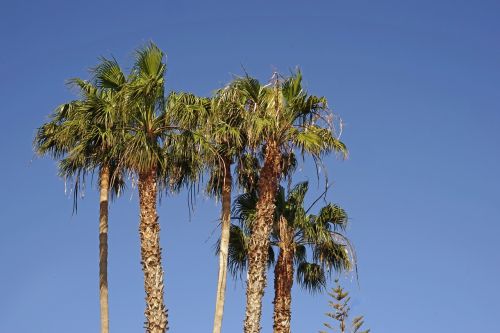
(294, 231)
(84, 134)
(144, 155)
(281, 119)
(165, 149)
(226, 119)
(221, 143)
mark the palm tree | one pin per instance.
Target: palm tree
(294, 231)
(84, 134)
(164, 149)
(228, 139)
(146, 134)
(221, 143)
(281, 119)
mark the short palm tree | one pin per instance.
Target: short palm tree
(85, 135)
(281, 119)
(294, 231)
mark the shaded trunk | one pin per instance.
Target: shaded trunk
(224, 245)
(103, 248)
(149, 229)
(283, 280)
(259, 240)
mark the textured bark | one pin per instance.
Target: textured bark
(103, 248)
(259, 240)
(283, 280)
(149, 229)
(224, 245)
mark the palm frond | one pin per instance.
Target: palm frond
(108, 74)
(311, 277)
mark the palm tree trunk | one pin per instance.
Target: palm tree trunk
(149, 229)
(224, 245)
(283, 281)
(259, 240)
(103, 248)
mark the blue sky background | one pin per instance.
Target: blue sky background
(417, 84)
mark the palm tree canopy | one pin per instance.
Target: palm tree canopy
(144, 100)
(85, 134)
(215, 125)
(284, 112)
(160, 129)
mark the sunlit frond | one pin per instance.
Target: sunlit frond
(108, 74)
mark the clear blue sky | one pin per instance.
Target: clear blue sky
(417, 84)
